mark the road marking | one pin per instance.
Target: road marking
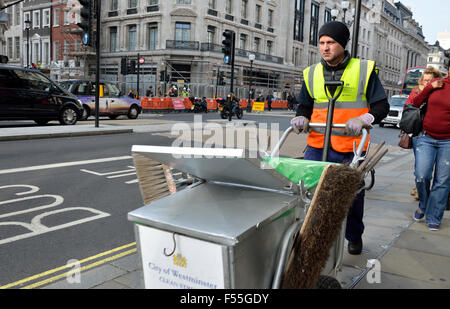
(58, 165)
(52, 271)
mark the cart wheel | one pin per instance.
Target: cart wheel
(328, 283)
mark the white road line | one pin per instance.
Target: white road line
(121, 175)
(57, 165)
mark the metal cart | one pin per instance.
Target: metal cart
(233, 228)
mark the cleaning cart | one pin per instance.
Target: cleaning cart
(234, 227)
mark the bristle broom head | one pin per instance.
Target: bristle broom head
(332, 200)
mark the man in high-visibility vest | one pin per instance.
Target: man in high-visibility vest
(363, 102)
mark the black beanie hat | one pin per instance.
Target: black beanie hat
(336, 30)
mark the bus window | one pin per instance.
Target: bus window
(411, 79)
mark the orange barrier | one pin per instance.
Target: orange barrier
(166, 104)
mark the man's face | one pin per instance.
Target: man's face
(332, 52)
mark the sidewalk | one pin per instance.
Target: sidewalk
(410, 255)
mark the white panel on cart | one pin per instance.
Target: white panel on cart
(195, 263)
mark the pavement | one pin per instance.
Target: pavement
(398, 252)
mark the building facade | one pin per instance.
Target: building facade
(437, 57)
(36, 33)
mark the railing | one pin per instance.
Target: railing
(241, 53)
(188, 45)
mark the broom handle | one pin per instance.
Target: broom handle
(370, 156)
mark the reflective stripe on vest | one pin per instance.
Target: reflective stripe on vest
(351, 103)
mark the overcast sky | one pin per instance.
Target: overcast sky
(432, 15)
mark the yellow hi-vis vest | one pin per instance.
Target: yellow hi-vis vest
(351, 103)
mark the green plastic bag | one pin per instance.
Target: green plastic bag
(297, 170)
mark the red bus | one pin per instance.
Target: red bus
(411, 79)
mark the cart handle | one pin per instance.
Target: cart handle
(358, 152)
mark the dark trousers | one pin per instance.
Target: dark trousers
(355, 225)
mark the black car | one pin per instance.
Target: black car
(29, 94)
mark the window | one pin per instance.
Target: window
(258, 13)
(132, 4)
(314, 29)
(211, 34)
(270, 17)
(244, 9)
(327, 15)
(112, 39)
(183, 1)
(299, 20)
(55, 17)
(256, 45)
(229, 6)
(152, 36)
(32, 80)
(56, 51)
(17, 44)
(212, 4)
(45, 53)
(26, 17)
(17, 16)
(182, 31)
(114, 6)
(269, 47)
(66, 18)
(243, 41)
(36, 19)
(46, 18)
(10, 48)
(132, 36)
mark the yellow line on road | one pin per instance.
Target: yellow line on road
(49, 272)
(49, 280)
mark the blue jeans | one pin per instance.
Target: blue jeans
(355, 226)
(432, 154)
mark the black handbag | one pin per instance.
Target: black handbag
(412, 119)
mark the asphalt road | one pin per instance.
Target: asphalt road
(72, 210)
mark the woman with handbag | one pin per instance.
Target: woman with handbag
(406, 140)
(432, 151)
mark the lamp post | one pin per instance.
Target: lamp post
(27, 22)
(345, 6)
(334, 13)
(251, 57)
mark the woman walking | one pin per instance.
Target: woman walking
(432, 149)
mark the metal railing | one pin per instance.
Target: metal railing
(187, 45)
(242, 53)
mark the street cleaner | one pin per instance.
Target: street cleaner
(363, 102)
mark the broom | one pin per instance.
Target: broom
(334, 195)
(155, 179)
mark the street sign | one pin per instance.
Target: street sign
(141, 60)
(86, 38)
(258, 106)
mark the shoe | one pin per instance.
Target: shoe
(418, 216)
(355, 247)
(433, 227)
(414, 191)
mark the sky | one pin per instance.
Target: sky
(432, 15)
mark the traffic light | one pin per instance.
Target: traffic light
(123, 66)
(228, 46)
(3, 59)
(86, 12)
(162, 75)
(132, 67)
(221, 79)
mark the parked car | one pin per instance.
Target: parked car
(396, 102)
(29, 94)
(111, 102)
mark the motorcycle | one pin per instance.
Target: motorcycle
(199, 105)
(230, 109)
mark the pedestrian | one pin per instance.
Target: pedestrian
(131, 93)
(433, 153)
(269, 99)
(428, 75)
(362, 104)
(149, 92)
(160, 91)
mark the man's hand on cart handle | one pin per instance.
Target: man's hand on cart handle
(299, 124)
(355, 125)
